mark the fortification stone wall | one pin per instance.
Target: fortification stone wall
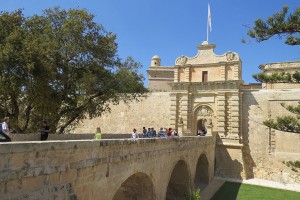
(265, 149)
(259, 156)
(152, 110)
(208, 93)
(281, 86)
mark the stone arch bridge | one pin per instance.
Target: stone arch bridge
(114, 169)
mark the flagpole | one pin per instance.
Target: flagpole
(207, 29)
(208, 22)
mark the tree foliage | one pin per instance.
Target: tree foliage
(277, 77)
(193, 196)
(62, 67)
(286, 123)
(281, 24)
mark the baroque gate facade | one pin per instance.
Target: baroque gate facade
(205, 92)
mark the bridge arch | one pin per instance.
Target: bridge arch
(179, 182)
(137, 186)
(202, 172)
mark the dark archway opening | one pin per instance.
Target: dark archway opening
(202, 175)
(179, 184)
(201, 126)
(136, 187)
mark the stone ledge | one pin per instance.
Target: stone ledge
(228, 144)
(28, 146)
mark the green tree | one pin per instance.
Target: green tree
(193, 196)
(282, 24)
(62, 67)
(277, 77)
(286, 123)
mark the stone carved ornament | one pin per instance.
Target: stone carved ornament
(181, 60)
(230, 56)
(205, 111)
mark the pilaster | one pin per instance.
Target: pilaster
(236, 72)
(227, 115)
(187, 74)
(223, 72)
(241, 114)
(234, 115)
(185, 112)
(173, 110)
(176, 77)
(190, 110)
(221, 113)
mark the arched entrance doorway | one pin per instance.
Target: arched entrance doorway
(179, 183)
(202, 174)
(203, 118)
(136, 187)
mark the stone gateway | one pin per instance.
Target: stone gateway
(203, 93)
(208, 91)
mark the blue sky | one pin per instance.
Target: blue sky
(171, 28)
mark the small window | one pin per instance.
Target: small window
(155, 63)
(204, 76)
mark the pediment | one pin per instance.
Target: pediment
(206, 55)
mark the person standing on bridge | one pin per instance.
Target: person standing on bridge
(4, 131)
(169, 133)
(135, 135)
(175, 132)
(44, 131)
(149, 133)
(144, 132)
(161, 133)
(153, 132)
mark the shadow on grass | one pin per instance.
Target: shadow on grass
(228, 191)
(238, 191)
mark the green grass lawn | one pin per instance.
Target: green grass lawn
(232, 191)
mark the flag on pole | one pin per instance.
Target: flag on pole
(209, 18)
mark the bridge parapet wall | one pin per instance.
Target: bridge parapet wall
(90, 169)
(83, 136)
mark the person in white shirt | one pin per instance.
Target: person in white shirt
(4, 131)
(135, 134)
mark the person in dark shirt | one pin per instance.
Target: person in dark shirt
(169, 133)
(144, 132)
(44, 131)
(161, 133)
(153, 132)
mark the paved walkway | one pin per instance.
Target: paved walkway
(217, 182)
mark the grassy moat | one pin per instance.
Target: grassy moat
(238, 191)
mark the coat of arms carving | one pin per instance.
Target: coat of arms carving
(181, 60)
(230, 56)
(205, 111)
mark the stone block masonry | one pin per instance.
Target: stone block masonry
(266, 149)
(153, 110)
(96, 169)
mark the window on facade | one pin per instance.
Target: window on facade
(204, 76)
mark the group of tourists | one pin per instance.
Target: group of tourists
(151, 133)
